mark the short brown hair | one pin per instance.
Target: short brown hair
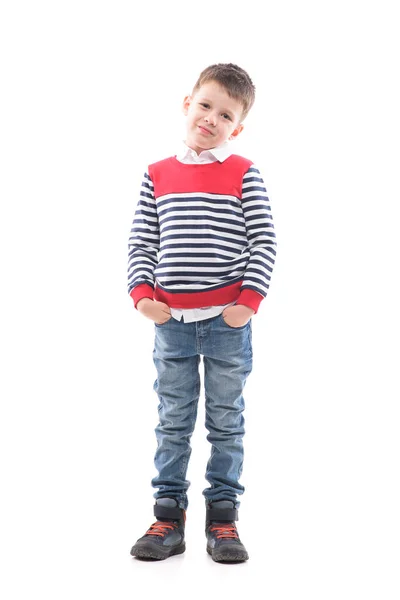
(234, 80)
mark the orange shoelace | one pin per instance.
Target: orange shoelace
(224, 531)
(160, 528)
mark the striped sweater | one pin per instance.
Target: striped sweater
(202, 235)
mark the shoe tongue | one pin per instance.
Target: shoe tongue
(169, 502)
(222, 505)
(167, 520)
(220, 523)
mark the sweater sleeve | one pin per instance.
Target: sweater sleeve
(144, 243)
(261, 237)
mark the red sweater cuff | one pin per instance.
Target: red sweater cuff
(144, 290)
(251, 299)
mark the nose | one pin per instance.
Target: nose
(211, 118)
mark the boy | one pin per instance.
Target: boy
(201, 254)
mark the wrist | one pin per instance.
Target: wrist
(250, 310)
(142, 302)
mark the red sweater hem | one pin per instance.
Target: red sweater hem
(225, 295)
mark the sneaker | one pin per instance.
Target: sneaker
(223, 542)
(166, 536)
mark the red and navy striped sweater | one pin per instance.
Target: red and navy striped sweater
(202, 235)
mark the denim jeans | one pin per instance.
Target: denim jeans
(227, 357)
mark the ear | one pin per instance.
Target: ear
(186, 103)
(236, 131)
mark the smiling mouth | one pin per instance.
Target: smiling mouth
(204, 130)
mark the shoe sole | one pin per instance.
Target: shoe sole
(154, 552)
(227, 556)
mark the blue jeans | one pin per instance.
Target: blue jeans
(227, 356)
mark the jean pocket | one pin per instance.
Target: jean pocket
(234, 328)
(162, 324)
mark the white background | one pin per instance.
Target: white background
(91, 93)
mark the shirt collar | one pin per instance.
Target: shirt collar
(219, 153)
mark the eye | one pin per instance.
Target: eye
(205, 104)
(226, 116)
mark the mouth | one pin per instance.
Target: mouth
(204, 130)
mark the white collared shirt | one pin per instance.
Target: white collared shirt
(190, 157)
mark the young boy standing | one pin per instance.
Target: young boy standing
(201, 254)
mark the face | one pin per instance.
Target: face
(212, 117)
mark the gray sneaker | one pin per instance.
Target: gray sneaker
(166, 536)
(223, 542)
